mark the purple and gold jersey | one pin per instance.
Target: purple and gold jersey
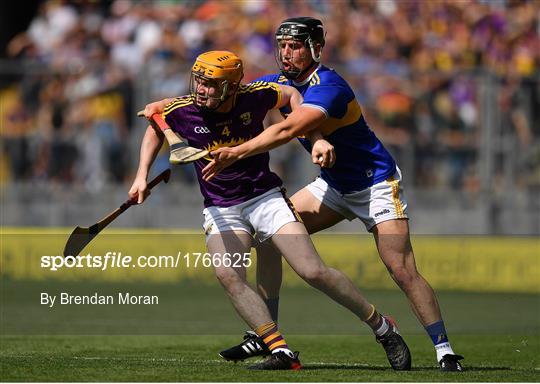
(361, 159)
(246, 178)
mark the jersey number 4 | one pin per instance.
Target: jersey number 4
(226, 131)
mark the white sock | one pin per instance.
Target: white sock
(288, 352)
(443, 349)
(385, 326)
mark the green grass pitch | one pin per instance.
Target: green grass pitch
(178, 340)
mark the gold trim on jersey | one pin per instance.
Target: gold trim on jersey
(282, 79)
(256, 86)
(398, 206)
(353, 114)
(177, 103)
(259, 85)
(279, 95)
(250, 87)
(315, 79)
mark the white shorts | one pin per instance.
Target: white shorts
(261, 216)
(380, 202)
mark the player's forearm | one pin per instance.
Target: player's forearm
(300, 122)
(150, 146)
(272, 137)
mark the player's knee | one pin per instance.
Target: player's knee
(228, 277)
(314, 276)
(402, 275)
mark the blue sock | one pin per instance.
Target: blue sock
(437, 332)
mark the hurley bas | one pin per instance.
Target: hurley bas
(123, 298)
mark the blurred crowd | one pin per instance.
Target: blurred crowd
(429, 75)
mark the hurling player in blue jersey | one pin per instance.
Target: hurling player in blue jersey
(363, 183)
(245, 202)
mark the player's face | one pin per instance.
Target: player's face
(293, 54)
(207, 92)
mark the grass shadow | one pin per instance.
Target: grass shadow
(363, 367)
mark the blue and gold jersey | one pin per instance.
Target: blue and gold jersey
(361, 159)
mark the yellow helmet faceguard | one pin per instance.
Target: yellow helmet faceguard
(221, 69)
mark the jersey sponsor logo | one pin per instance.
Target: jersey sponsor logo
(201, 130)
(246, 118)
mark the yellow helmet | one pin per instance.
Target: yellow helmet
(222, 67)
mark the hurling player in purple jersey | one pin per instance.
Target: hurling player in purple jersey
(246, 200)
(363, 183)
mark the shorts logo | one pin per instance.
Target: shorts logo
(201, 130)
(369, 173)
(246, 118)
(383, 212)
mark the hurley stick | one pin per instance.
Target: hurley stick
(180, 152)
(81, 236)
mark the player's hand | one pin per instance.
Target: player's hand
(139, 190)
(323, 153)
(222, 158)
(152, 108)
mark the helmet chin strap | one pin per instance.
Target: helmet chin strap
(295, 75)
(221, 101)
(315, 58)
(309, 67)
